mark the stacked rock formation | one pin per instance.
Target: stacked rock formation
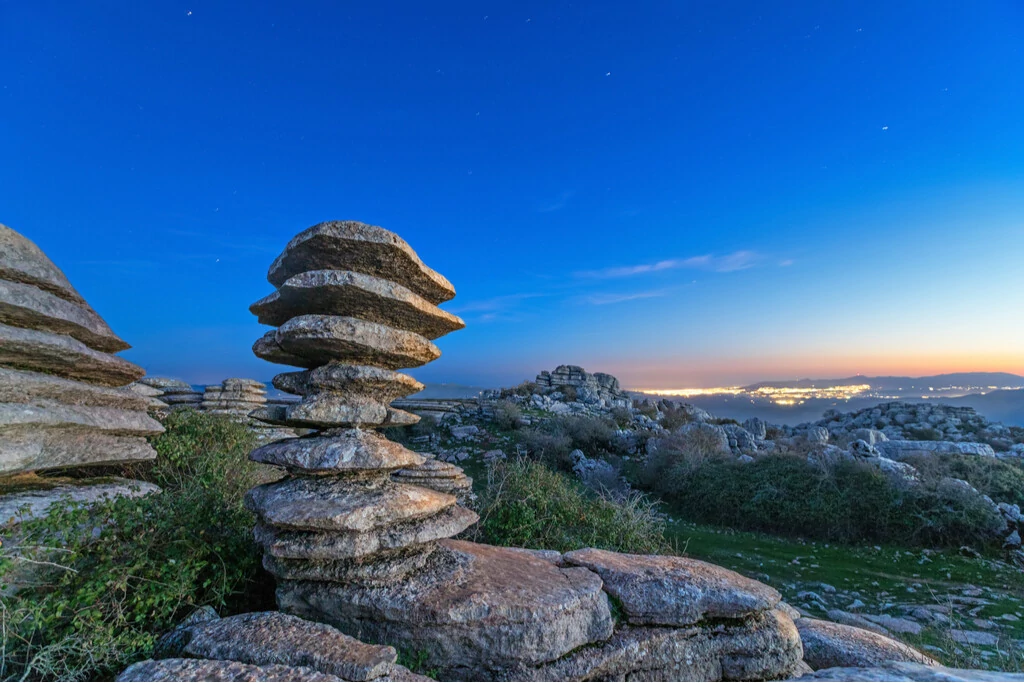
(174, 392)
(598, 387)
(238, 398)
(353, 304)
(437, 475)
(63, 401)
(372, 554)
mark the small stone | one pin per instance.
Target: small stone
(973, 637)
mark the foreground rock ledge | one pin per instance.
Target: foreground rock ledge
(475, 609)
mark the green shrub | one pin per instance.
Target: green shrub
(123, 572)
(528, 505)
(847, 502)
(1002, 480)
(521, 389)
(923, 433)
(674, 417)
(552, 441)
(622, 417)
(508, 415)
(569, 393)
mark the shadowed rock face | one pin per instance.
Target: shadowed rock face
(62, 401)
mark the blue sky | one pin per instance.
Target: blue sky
(682, 194)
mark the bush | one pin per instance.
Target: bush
(622, 417)
(507, 415)
(528, 505)
(553, 440)
(1002, 480)
(673, 416)
(847, 502)
(128, 570)
(569, 392)
(521, 389)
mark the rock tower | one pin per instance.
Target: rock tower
(354, 542)
(63, 401)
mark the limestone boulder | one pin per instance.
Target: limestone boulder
(337, 292)
(908, 671)
(674, 591)
(361, 248)
(827, 644)
(217, 670)
(473, 610)
(313, 340)
(273, 638)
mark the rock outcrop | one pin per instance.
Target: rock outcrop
(238, 399)
(64, 401)
(174, 392)
(597, 388)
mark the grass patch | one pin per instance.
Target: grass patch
(527, 505)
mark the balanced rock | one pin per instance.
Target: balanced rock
(63, 396)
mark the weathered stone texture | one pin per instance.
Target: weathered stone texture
(827, 644)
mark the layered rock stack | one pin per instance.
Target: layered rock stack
(353, 304)
(238, 398)
(63, 396)
(174, 392)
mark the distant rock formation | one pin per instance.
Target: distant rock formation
(597, 388)
(238, 399)
(174, 392)
(63, 396)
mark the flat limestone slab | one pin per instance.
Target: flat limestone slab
(473, 608)
(908, 671)
(22, 386)
(23, 305)
(674, 591)
(63, 356)
(337, 451)
(333, 504)
(333, 410)
(269, 638)
(51, 414)
(28, 448)
(363, 380)
(312, 340)
(827, 644)
(22, 261)
(761, 648)
(350, 245)
(344, 545)
(217, 670)
(386, 568)
(356, 295)
(33, 499)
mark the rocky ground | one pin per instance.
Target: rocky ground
(964, 610)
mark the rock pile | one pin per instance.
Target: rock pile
(174, 392)
(238, 399)
(435, 474)
(597, 388)
(63, 396)
(353, 546)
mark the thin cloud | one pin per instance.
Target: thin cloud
(737, 260)
(605, 299)
(495, 304)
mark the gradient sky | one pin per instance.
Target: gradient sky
(682, 194)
